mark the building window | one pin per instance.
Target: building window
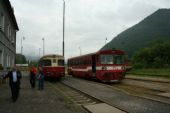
(9, 61)
(6, 63)
(12, 37)
(12, 61)
(2, 22)
(1, 58)
(9, 32)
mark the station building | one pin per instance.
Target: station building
(8, 29)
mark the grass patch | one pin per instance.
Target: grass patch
(151, 72)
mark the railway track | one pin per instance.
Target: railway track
(82, 97)
(119, 95)
(78, 97)
(148, 89)
(144, 90)
(74, 95)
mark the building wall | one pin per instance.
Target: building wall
(7, 37)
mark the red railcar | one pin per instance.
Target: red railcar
(106, 66)
(128, 64)
(53, 66)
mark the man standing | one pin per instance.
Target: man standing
(33, 72)
(14, 82)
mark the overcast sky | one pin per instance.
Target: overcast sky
(88, 23)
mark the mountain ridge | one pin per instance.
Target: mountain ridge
(154, 27)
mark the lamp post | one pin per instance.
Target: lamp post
(63, 24)
(22, 38)
(39, 52)
(105, 40)
(43, 46)
(80, 50)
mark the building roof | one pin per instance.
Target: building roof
(11, 12)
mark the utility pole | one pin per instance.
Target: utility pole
(105, 40)
(39, 52)
(63, 25)
(22, 38)
(80, 50)
(43, 46)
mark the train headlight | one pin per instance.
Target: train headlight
(104, 68)
(123, 68)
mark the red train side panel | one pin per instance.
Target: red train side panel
(53, 72)
(106, 66)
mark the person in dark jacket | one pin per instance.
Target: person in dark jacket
(40, 78)
(14, 82)
(33, 72)
(19, 76)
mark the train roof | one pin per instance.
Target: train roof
(101, 52)
(115, 51)
(52, 56)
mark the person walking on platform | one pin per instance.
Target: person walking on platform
(19, 74)
(33, 72)
(14, 82)
(40, 79)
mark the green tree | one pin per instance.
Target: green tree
(157, 56)
(20, 59)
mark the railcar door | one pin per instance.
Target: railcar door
(94, 65)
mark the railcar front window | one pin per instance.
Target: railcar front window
(106, 59)
(46, 62)
(112, 59)
(60, 62)
(54, 61)
(118, 59)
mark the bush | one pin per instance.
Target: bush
(138, 65)
(157, 62)
(157, 56)
(1, 67)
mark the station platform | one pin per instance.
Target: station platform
(102, 108)
(33, 101)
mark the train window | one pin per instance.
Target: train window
(60, 62)
(76, 62)
(118, 59)
(106, 59)
(46, 62)
(71, 62)
(54, 61)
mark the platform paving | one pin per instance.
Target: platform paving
(34, 101)
(102, 108)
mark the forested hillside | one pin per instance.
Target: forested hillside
(152, 28)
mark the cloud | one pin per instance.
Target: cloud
(87, 23)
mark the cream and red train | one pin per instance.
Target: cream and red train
(106, 66)
(53, 66)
